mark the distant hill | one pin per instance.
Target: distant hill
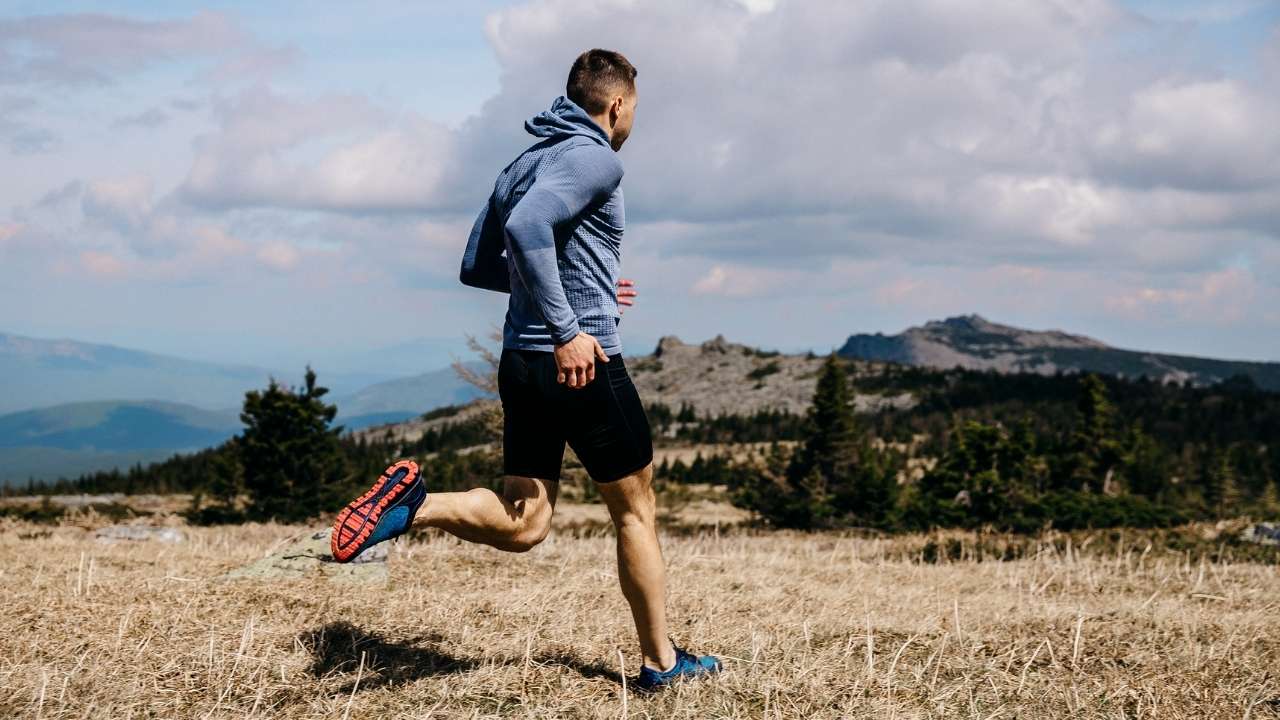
(413, 395)
(73, 438)
(971, 341)
(69, 439)
(116, 425)
(40, 373)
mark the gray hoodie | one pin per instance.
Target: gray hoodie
(557, 212)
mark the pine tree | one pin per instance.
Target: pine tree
(822, 472)
(1222, 486)
(223, 488)
(293, 463)
(981, 479)
(1268, 504)
(1095, 450)
(686, 413)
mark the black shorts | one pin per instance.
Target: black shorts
(604, 421)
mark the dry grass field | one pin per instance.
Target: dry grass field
(809, 626)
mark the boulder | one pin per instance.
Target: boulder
(307, 555)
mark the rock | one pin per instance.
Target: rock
(1263, 534)
(308, 555)
(665, 343)
(717, 344)
(116, 533)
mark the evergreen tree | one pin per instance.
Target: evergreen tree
(1221, 486)
(829, 423)
(821, 482)
(822, 471)
(1268, 504)
(293, 463)
(686, 413)
(980, 480)
(868, 494)
(1095, 451)
(1145, 467)
(223, 490)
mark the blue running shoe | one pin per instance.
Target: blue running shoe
(687, 665)
(385, 511)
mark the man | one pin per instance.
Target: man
(557, 212)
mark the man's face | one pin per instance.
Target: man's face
(622, 128)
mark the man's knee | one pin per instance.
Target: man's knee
(528, 538)
(631, 499)
(531, 502)
(532, 529)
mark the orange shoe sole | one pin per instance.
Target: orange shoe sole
(357, 520)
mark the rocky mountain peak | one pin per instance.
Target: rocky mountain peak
(972, 341)
(666, 343)
(717, 344)
(972, 321)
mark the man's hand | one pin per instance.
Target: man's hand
(576, 360)
(625, 293)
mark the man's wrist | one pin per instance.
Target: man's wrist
(566, 335)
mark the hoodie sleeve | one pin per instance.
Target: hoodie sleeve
(562, 190)
(483, 265)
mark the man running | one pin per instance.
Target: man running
(557, 211)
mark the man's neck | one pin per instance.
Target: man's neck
(604, 125)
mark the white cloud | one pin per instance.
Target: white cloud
(338, 152)
(738, 281)
(1222, 297)
(920, 157)
(123, 201)
(278, 255)
(919, 127)
(91, 48)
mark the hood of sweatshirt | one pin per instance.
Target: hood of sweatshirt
(566, 118)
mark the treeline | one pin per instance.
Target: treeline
(1015, 452)
(685, 426)
(1021, 452)
(291, 462)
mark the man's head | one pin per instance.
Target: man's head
(603, 83)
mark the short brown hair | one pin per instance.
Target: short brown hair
(597, 76)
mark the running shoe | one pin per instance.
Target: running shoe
(687, 665)
(385, 511)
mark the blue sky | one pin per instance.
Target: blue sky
(279, 183)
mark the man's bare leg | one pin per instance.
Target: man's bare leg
(516, 520)
(641, 569)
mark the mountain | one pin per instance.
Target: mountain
(114, 425)
(73, 438)
(714, 377)
(40, 373)
(69, 439)
(66, 440)
(972, 341)
(413, 395)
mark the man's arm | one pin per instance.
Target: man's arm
(561, 192)
(483, 265)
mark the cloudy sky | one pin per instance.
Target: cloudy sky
(293, 184)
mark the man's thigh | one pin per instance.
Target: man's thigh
(533, 434)
(606, 424)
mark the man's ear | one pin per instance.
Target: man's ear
(615, 109)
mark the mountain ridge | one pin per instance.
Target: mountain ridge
(973, 342)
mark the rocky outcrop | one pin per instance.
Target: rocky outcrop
(972, 341)
(718, 376)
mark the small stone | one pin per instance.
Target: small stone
(1263, 534)
(116, 533)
